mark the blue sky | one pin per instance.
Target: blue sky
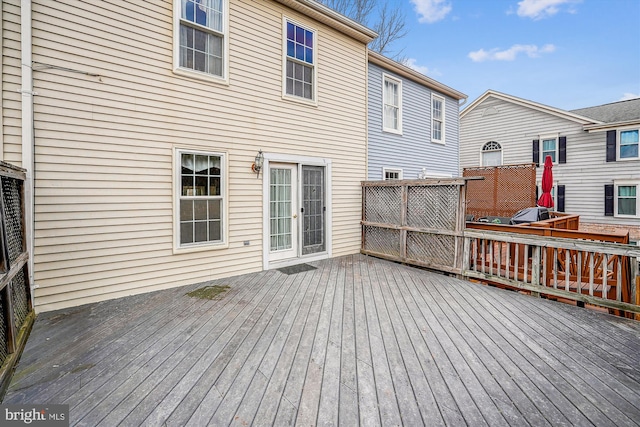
(564, 53)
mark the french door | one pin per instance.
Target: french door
(297, 210)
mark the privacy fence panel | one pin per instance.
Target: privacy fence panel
(503, 192)
(417, 222)
(16, 309)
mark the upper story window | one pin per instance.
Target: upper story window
(200, 198)
(437, 119)
(549, 148)
(391, 104)
(300, 60)
(202, 36)
(492, 154)
(628, 147)
(627, 199)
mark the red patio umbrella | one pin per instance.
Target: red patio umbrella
(545, 199)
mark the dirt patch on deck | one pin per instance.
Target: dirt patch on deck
(215, 292)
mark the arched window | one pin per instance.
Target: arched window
(491, 154)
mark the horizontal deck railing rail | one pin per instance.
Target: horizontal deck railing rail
(599, 273)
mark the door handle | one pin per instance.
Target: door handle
(295, 216)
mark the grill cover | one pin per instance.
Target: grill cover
(527, 215)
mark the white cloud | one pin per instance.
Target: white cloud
(538, 9)
(411, 63)
(431, 11)
(532, 51)
(628, 95)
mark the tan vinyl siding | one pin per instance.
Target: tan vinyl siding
(104, 145)
(11, 84)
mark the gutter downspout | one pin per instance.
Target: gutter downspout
(27, 131)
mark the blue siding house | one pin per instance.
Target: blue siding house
(413, 129)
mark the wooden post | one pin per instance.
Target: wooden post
(404, 207)
(535, 269)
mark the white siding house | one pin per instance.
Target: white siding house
(413, 123)
(595, 152)
(148, 117)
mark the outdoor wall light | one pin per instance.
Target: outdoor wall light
(257, 165)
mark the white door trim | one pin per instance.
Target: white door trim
(299, 160)
(293, 251)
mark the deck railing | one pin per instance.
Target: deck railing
(594, 272)
(16, 309)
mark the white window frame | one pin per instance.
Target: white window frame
(618, 143)
(541, 155)
(482, 151)
(188, 72)
(391, 170)
(177, 196)
(398, 82)
(626, 183)
(291, 97)
(443, 121)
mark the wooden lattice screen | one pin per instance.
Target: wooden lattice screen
(16, 309)
(417, 222)
(503, 192)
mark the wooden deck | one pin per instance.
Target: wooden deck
(358, 340)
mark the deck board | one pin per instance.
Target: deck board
(357, 341)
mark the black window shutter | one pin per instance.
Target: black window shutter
(537, 195)
(536, 152)
(562, 154)
(611, 146)
(608, 200)
(560, 207)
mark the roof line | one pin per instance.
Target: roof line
(332, 18)
(530, 104)
(604, 126)
(412, 74)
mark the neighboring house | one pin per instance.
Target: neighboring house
(413, 123)
(143, 125)
(595, 153)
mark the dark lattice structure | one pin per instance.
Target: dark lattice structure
(414, 221)
(16, 309)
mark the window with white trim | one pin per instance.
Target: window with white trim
(390, 174)
(437, 119)
(200, 198)
(628, 145)
(549, 148)
(491, 154)
(300, 70)
(391, 104)
(627, 202)
(201, 36)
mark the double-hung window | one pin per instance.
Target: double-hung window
(391, 104)
(200, 198)
(549, 148)
(300, 69)
(201, 36)
(437, 119)
(627, 200)
(628, 144)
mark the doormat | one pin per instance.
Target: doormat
(295, 269)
